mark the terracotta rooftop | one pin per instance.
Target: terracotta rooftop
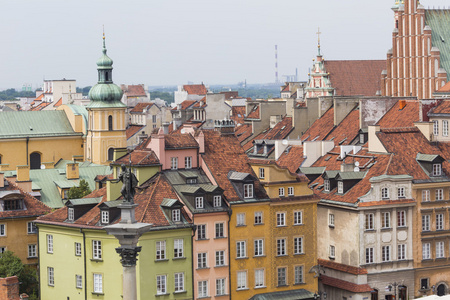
(243, 132)
(132, 130)
(254, 112)
(280, 131)
(238, 114)
(443, 108)
(405, 117)
(321, 127)
(285, 88)
(345, 285)
(445, 88)
(230, 94)
(195, 89)
(179, 141)
(139, 108)
(139, 158)
(341, 267)
(201, 103)
(355, 77)
(185, 104)
(59, 103)
(347, 130)
(134, 91)
(292, 158)
(255, 161)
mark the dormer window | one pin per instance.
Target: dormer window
(340, 187)
(361, 138)
(15, 204)
(437, 169)
(248, 190)
(401, 192)
(384, 193)
(105, 217)
(176, 215)
(70, 214)
(217, 201)
(191, 180)
(199, 202)
(326, 185)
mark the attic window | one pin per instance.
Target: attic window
(105, 217)
(326, 185)
(199, 202)
(13, 204)
(70, 214)
(217, 201)
(437, 169)
(327, 158)
(191, 180)
(384, 193)
(176, 215)
(340, 187)
(248, 190)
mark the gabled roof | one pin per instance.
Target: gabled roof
(185, 104)
(145, 157)
(139, 108)
(238, 114)
(134, 91)
(445, 88)
(195, 89)
(254, 112)
(405, 117)
(179, 141)
(279, 132)
(439, 21)
(355, 77)
(59, 103)
(132, 130)
(346, 131)
(442, 108)
(321, 127)
(292, 158)
(243, 132)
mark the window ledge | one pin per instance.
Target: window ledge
(281, 226)
(97, 259)
(180, 292)
(242, 289)
(178, 258)
(386, 229)
(300, 283)
(332, 257)
(260, 287)
(282, 285)
(258, 224)
(160, 260)
(303, 253)
(202, 239)
(205, 297)
(31, 257)
(98, 293)
(203, 268)
(222, 295)
(256, 256)
(243, 225)
(220, 237)
(369, 230)
(245, 257)
(221, 266)
(165, 294)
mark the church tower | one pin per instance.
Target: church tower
(106, 124)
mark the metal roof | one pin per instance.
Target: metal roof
(66, 184)
(85, 201)
(238, 176)
(188, 174)
(426, 157)
(113, 203)
(439, 21)
(331, 174)
(312, 170)
(390, 177)
(6, 193)
(351, 175)
(168, 202)
(21, 124)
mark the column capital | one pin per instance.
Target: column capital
(128, 255)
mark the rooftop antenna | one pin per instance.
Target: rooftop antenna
(276, 64)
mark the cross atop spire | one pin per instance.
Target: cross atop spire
(104, 46)
(318, 38)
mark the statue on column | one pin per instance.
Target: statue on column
(130, 182)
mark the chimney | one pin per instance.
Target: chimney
(201, 142)
(165, 126)
(9, 288)
(225, 127)
(23, 178)
(401, 104)
(72, 170)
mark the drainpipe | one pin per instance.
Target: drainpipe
(28, 139)
(194, 229)
(229, 251)
(39, 262)
(84, 256)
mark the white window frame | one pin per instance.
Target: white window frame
(332, 252)
(440, 250)
(217, 202)
(426, 251)
(160, 250)
(49, 243)
(241, 280)
(369, 223)
(326, 185)
(281, 192)
(340, 187)
(281, 276)
(240, 219)
(188, 162)
(77, 249)
(385, 253)
(176, 215)
(439, 194)
(385, 219)
(220, 286)
(331, 220)
(425, 195)
(426, 226)
(98, 283)
(385, 193)
(201, 232)
(179, 282)
(202, 289)
(435, 127)
(261, 173)
(437, 169)
(248, 190)
(78, 281)
(298, 245)
(281, 219)
(444, 127)
(281, 247)
(401, 251)
(401, 192)
(202, 260)
(440, 222)
(105, 217)
(369, 255)
(174, 163)
(32, 250)
(298, 217)
(299, 275)
(96, 249)
(401, 218)
(220, 258)
(70, 214)
(259, 278)
(31, 228)
(258, 247)
(161, 284)
(241, 249)
(290, 191)
(178, 248)
(51, 276)
(220, 230)
(199, 203)
(258, 217)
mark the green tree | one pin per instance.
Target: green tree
(11, 265)
(80, 191)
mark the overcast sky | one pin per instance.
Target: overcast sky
(171, 42)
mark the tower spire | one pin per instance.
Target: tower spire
(104, 45)
(318, 40)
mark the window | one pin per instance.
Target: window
(110, 158)
(153, 118)
(369, 255)
(241, 280)
(281, 273)
(217, 201)
(174, 163)
(331, 220)
(261, 173)
(298, 274)
(79, 281)
(435, 127)
(198, 202)
(332, 252)
(201, 260)
(445, 128)
(188, 162)
(160, 250)
(361, 138)
(281, 219)
(401, 253)
(31, 228)
(32, 250)
(439, 193)
(78, 249)
(51, 276)
(2, 249)
(258, 217)
(178, 248)
(439, 221)
(384, 193)
(241, 251)
(161, 284)
(240, 219)
(386, 220)
(291, 191)
(386, 253)
(220, 258)
(179, 282)
(220, 230)
(424, 283)
(259, 278)
(220, 286)
(369, 222)
(425, 222)
(401, 218)
(425, 195)
(248, 190)
(259, 247)
(426, 253)
(203, 288)
(401, 192)
(326, 185)
(176, 215)
(298, 245)
(298, 217)
(281, 192)
(201, 232)
(70, 214)
(49, 243)
(105, 216)
(437, 169)
(110, 123)
(281, 247)
(439, 249)
(96, 249)
(340, 187)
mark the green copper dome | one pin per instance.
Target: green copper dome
(105, 92)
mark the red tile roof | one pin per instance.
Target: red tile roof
(443, 108)
(238, 114)
(59, 103)
(243, 132)
(285, 88)
(41, 106)
(179, 141)
(195, 89)
(321, 127)
(345, 285)
(226, 148)
(445, 88)
(347, 130)
(255, 161)
(132, 130)
(341, 267)
(40, 97)
(396, 117)
(200, 104)
(280, 131)
(139, 158)
(139, 108)
(134, 91)
(230, 94)
(254, 112)
(292, 158)
(185, 104)
(355, 77)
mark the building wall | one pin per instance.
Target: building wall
(17, 238)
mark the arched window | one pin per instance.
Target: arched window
(110, 153)
(110, 123)
(106, 76)
(35, 160)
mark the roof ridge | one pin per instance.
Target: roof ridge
(388, 164)
(150, 198)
